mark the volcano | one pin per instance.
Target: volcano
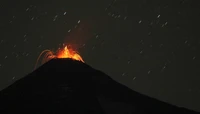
(66, 86)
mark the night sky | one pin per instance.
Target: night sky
(152, 46)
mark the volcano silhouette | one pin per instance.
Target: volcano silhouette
(66, 86)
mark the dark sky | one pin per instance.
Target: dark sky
(152, 46)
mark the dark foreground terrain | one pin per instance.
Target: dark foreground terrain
(65, 86)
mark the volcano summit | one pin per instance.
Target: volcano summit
(66, 86)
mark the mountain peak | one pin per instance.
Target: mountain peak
(71, 86)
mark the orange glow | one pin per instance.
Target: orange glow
(66, 52)
(69, 53)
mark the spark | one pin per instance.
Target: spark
(47, 54)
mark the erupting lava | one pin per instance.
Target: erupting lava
(69, 53)
(66, 52)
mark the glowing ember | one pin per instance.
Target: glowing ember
(69, 53)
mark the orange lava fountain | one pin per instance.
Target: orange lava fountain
(66, 52)
(69, 53)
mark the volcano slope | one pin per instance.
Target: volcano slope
(66, 86)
